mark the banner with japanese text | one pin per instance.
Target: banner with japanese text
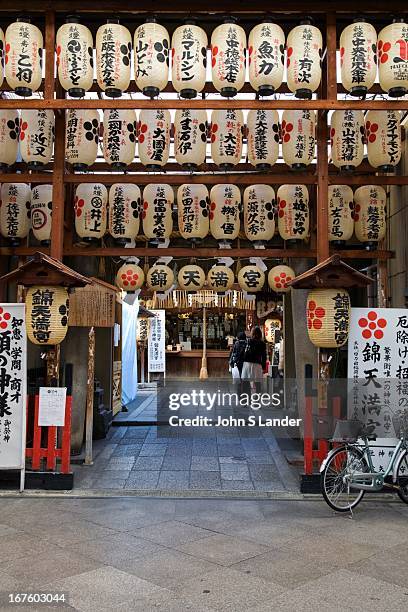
(156, 343)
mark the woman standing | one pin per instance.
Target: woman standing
(236, 359)
(254, 358)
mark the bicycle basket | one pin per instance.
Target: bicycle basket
(347, 431)
(400, 422)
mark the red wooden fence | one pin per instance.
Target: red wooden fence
(309, 453)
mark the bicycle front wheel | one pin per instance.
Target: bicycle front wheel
(402, 479)
(336, 476)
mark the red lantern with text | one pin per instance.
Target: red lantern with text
(328, 317)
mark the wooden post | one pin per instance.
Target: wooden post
(49, 82)
(53, 360)
(89, 398)
(204, 371)
(382, 284)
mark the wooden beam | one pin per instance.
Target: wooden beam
(49, 81)
(331, 63)
(208, 179)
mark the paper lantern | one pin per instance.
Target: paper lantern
(304, 53)
(189, 59)
(341, 207)
(23, 57)
(369, 214)
(220, 278)
(9, 130)
(226, 137)
(293, 212)
(266, 46)
(191, 278)
(251, 278)
(270, 327)
(47, 310)
(160, 278)
(279, 277)
(113, 58)
(41, 213)
(193, 214)
(124, 212)
(119, 137)
(151, 46)
(259, 218)
(142, 332)
(392, 50)
(81, 137)
(130, 277)
(347, 139)
(2, 52)
(154, 138)
(228, 44)
(328, 317)
(91, 203)
(75, 57)
(190, 137)
(15, 203)
(298, 138)
(263, 138)
(224, 212)
(358, 57)
(157, 214)
(36, 137)
(383, 134)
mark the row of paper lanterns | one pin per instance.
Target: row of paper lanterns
(360, 52)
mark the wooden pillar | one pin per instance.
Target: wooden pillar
(89, 398)
(49, 83)
(58, 191)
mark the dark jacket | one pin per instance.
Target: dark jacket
(255, 352)
(237, 354)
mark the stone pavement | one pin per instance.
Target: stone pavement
(138, 554)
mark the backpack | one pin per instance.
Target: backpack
(238, 351)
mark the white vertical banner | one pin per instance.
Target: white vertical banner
(157, 342)
(13, 387)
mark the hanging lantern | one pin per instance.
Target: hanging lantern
(160, 278)
(369, 215)
(392, 50)
(23, 57)
(279, 277)
(129, 277)
(15, 203)
(270, 327)
(81, 137)
(304, 53)
(157, 214)
(113, 57)
(2, 51)
(190, 137)
(151, 46)
(91, 200)
(75, 57)
(347, 139)
(383, 134)
(224, 212)
(341, 207)
(41, 212)
(293, 212)
(251, 278)
(124, 212)
(328, 317)
(226, 137)
(189, 59)
(192, 207)
(191, 278)
(9, 130)
(259, 218)
(47, 311)
(228, 44)
(266, 57)
(220, 278)
(358, 57)
(263, 138)
(36, 137)
(298, 138)
(119, 137)
(154, 138)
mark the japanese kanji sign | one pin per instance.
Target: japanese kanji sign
(156, 342)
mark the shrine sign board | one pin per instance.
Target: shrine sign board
(92, 306)
(156, 342)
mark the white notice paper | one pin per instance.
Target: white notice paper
(52, 406)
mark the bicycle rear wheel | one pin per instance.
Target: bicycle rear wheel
(402, 478)
(336, 476)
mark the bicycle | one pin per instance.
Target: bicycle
(348, 471)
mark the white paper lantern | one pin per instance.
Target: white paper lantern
(189, 59)
(259, 218)
(15, 202)
(383, 134)
(154, 137)
(369, 215)
(341, 207)
(125, 205)
(130, 277)
(293, 212)
(298, 138)
(47, 310)
(263, 138)
(81, 137)
(151, 47)
(225, 212)
(392, 50)
(190, 137)
(2, 54)
(91, 203)
(328, 317)
(75, 57)
(160, 278)
(191, 278)
(36, 137)
(23, 57)
(119, 137)
(157, 216)
(113, 58)
(279, 277)
(251, 278)
(220, 278)
(193, 213)
(266, 47)
(228, 44)
(270, 327)
(347, 139)
(358, 57)
(9, 131)
(304, 52)
(41, 213)
(226, 137)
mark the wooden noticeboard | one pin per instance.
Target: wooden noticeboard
(93, 306)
